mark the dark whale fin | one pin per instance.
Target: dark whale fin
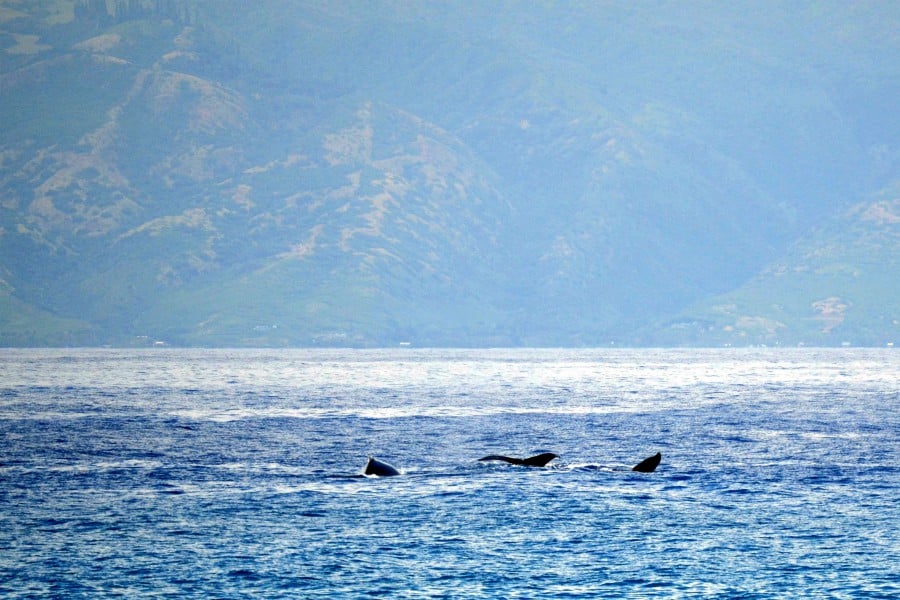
(648, 465)
(539, 460)
(381, 469)
(510, 460)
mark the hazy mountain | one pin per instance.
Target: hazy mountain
(836, 285)
(369, 173)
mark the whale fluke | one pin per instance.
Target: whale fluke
(648, 465)
(539, 460)
(381, 469)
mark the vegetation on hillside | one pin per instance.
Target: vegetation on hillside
(369, 173)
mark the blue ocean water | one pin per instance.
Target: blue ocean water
(235, 474)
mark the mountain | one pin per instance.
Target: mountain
(835, 286)
(370, 173)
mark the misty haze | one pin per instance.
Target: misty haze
(449, 174)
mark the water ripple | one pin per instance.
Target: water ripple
(237, 473)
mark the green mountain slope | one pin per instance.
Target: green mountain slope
(368, 173)
(836, 286)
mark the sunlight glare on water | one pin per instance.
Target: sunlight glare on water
(236, 473)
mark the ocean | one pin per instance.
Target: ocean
(238, 473)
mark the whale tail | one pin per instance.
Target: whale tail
(509, 459)
(538, 460)
(379, 468)
(648, 465)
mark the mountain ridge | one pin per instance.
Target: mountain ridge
(371, 173)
